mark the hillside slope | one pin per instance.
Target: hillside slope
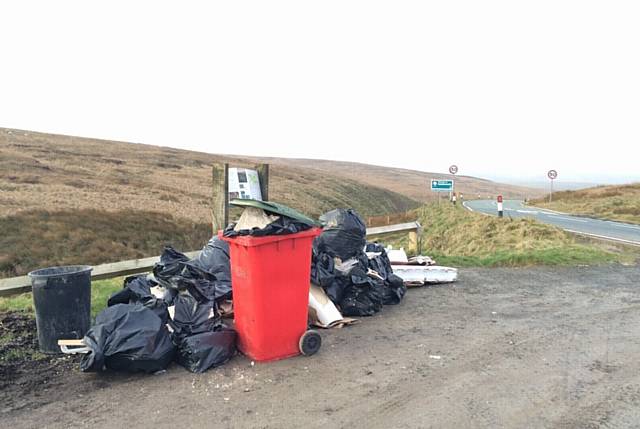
(414, 184)
(64, 172)
(43, 171)
(71, 200)
(617, 202)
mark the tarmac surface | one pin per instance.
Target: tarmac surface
(502, 348)
(616, 231)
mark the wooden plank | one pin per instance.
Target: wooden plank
(394, 228)
(220, 196)
(72, 343)
(263, 176)
(15, 285)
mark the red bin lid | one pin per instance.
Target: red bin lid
(249, 241)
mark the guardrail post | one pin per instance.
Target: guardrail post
(415, 239)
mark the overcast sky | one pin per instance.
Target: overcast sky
(501, 88)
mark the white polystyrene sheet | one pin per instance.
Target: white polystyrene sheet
(425, 274)
(397, 255)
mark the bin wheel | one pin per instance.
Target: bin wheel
(310, 343)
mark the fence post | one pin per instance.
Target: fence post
(263, 176)
(220, 196)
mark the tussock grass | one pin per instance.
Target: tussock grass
(38, 238)
(620, 203)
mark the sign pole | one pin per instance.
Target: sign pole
(440, 186)
(452, 170)
(552, 175)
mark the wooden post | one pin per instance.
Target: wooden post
(220, 196)
(263, 175)
(413, 240)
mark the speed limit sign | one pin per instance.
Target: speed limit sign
(453, 169)
(552, 174)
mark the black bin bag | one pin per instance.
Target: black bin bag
(137, 289)
(128, 337)
(394, 288)
(193, 315)
(363, 297)
(209, 269)
(200, 352)
(214, 260)
(343, 234)
(170, 265)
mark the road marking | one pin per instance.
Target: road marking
(528, 211)
(622, 225)
(568, 218)
(478, 211)
(548, 210)
(635, 243)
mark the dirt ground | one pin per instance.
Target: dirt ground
(23, 369)
(541, 347)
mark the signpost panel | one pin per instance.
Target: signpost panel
(441, 185)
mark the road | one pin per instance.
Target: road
(502, 348)
(616, 231)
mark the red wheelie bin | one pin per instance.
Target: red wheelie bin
(270, 281)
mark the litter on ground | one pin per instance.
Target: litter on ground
(176, 313)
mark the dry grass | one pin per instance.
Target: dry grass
(43, 171)
(35, 239)
(620, 203)
(414, 184)
(458, 237)
(392, 219)
(56, 172)
(67, 200)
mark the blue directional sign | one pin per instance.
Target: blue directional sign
(441, 185)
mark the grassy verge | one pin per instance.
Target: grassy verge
(454, 236)
(621, 203)
(101, 290)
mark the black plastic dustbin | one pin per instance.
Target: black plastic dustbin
(62, 300)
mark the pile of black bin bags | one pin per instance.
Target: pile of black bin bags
(341, 266)
(132, 333)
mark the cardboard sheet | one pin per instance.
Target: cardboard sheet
(323, 312)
